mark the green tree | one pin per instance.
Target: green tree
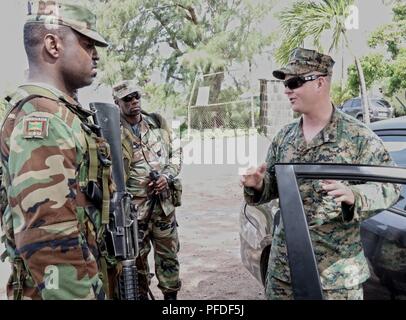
(375, 68)
(310, 20)
(340, 94)
(388, 68)
(392, 36)
(178, 39)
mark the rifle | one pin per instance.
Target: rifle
(122, 230)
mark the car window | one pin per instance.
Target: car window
(347, 104)
(382, 103)
(356, 103)
(396, 146)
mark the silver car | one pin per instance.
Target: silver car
(379, 109)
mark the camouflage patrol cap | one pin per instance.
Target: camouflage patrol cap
(53, 13)
(303, 61)
(124, 88)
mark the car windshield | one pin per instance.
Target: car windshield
(396, 145)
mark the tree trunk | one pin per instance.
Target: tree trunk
(263, 106)
(364, 98)
(252, 95)
(363, 87)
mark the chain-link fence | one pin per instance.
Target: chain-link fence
(223, 100)
(232, 115)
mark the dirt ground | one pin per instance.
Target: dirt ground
(210, 261)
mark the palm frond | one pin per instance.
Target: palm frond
(310, 20)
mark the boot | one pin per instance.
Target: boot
(171, 295)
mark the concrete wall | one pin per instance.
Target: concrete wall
(279, 110)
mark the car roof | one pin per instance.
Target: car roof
(389, 124)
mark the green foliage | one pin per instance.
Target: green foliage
(161, 98)
(393, 35)
(375, 68)
(398, 101)
(178, 38)
(230, 94)
(389, 72)
(340, 94)
(310, 20)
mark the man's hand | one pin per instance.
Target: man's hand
(160, 185)
(339, 191)
(254, 177)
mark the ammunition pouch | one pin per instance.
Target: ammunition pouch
(175, 186)
(95, 180)
(94, 194)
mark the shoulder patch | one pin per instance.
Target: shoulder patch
(35, 127)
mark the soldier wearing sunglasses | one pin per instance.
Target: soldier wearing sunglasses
(334, 209)
(151, 166)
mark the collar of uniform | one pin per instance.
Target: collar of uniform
(327, 134)
(63, 97)
(58, 93)
(143, 125)
(295, 135)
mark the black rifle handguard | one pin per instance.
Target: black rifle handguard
(122, 230)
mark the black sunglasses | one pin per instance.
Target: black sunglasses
(131, 96)
(297, 82)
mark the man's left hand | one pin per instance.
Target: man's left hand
(339, 191)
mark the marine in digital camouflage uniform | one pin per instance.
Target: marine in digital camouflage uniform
(333, 225)
(51, 228)
(147, 146)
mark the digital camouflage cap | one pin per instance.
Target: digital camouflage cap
(53, 13)
(303, 61)
(124, 88)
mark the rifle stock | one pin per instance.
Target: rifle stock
(122, 230)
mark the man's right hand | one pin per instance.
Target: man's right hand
(254, 177)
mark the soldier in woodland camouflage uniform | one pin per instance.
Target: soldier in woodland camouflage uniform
(49, 158)
(334, 209)
(147, 147)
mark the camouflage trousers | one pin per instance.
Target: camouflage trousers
(160, 232)
(279, 290)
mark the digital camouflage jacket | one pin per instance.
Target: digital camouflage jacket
(335, 236)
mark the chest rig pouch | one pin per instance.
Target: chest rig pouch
(94, 172)
(96, 183)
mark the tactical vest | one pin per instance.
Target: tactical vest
(93, 176)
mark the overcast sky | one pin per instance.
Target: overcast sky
(372, 13)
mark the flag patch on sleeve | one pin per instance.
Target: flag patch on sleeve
(35, 128)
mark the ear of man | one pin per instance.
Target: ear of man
(53, 45)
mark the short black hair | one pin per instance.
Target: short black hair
(34, 34)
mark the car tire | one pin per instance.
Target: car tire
(360, 117)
